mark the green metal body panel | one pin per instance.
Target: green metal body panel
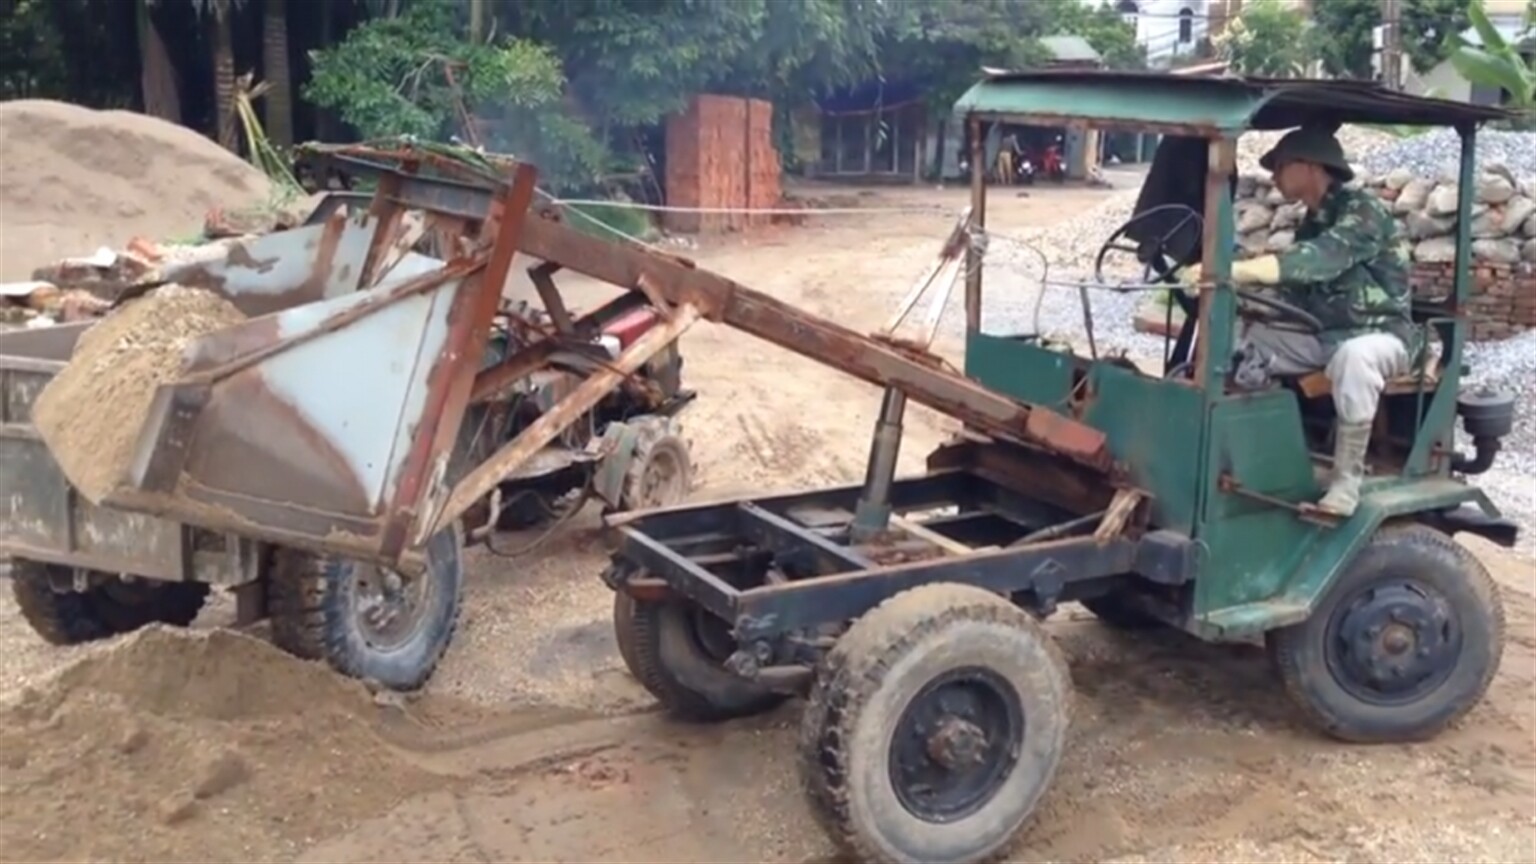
(1153, 427)
(1020, 370)
(1176, 102)
(1252, 546)
(1229, 469)
(1318, 559)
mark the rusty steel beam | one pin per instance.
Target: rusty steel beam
(479, 482)
(720, 299)
(452, 379)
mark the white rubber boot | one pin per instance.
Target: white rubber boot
(1349, 446)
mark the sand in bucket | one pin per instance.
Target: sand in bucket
(90, 415)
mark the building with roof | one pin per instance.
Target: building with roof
(1170, 31)
(883, 131)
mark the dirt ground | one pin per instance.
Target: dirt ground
(533, 744)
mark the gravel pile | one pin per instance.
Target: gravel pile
(1359, 143)
(1437, 153)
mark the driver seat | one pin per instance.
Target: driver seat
(1315, 385)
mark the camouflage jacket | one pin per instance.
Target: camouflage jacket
(1349, 268)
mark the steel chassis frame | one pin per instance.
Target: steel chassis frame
(780, 567)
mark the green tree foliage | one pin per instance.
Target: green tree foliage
(946, 43)
(1431, 29)
(1106, 30)
(1345, 36)
(31, 53)
(1497, 63)
(1344, 33)
(1268, 39)
(388, 78)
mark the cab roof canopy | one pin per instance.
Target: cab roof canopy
(1202, 105)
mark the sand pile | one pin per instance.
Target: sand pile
(90, 415)
(73, 179)
(176, 745)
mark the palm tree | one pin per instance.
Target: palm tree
(218, 15)
(157, 75)
(274, 51)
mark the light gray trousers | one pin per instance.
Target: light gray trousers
(1358, 368)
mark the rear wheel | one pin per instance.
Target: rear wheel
(367, 621)
(934, 727)
(677, 651)
(108, 608)
(1403, 644)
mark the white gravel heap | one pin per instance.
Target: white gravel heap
(1437, 153)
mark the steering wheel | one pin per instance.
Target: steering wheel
(1163, 260)
(1156, 254)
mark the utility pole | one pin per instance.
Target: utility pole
(1392, 44)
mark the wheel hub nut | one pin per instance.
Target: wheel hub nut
(957, 744)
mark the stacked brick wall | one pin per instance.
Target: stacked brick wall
(1503, 296)
(720, 154)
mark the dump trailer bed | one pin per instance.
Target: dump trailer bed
(44, 519)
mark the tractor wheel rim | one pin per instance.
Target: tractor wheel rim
(1392, 643)
(956, 744)
(661, 480)
(388, 607)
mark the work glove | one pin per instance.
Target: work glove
(1264, 270)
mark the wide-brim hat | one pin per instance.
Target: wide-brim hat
(1309, 144)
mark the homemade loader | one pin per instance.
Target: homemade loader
(907, 610)
(302, 459)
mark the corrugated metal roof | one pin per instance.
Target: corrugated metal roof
(1215, 102)
(1067, 48)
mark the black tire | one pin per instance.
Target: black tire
(880, 673)
(316, 606)
(72, 618)
(1120, 615)
(667, 650)
(661, 468)
(1409, 582)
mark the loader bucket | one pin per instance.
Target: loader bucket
(325, 419)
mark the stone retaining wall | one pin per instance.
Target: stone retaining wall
(1503, 238)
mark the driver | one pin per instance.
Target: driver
(1349, 269)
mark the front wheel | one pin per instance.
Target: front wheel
(367, 621)
(934, 727)
(1403, 644)
(661, 468)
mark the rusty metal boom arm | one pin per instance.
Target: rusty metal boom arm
(722, 300)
